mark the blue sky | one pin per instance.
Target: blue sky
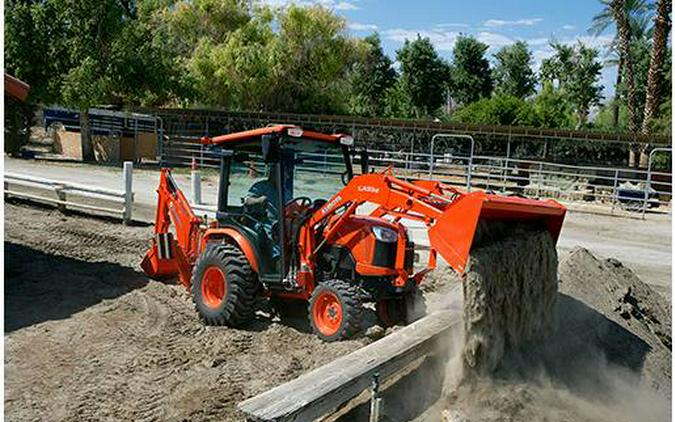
(496, 23)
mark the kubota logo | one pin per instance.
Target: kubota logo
(331, 204)
(371, 189)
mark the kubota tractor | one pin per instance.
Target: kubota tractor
(287, 228)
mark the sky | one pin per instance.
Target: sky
(496, 23)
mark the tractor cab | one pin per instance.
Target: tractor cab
(272, 181)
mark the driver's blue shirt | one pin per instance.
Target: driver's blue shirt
(267, 189)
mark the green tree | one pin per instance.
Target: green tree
(551, 108)
(80, 53)
(294, 59)
(371, 79)
(513, 73)
(424, 75)
(501, 109)
(470, 73)
(397, 103)
(575, 70)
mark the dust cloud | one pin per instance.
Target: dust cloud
(530, 353)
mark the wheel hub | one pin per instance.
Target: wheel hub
(327, 313)
(213, 287)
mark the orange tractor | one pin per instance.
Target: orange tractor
(279, 234)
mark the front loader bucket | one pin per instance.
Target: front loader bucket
(453, 234)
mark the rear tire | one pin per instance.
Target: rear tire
(335, 310)
(224, 286)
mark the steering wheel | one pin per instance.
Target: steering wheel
(302, 201)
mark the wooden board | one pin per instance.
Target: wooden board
(323, 390)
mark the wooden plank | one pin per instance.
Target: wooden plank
(325, 389)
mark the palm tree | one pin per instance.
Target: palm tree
(655, 76)
(624, 33)
(638, 13)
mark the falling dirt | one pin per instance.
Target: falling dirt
(89, 337)
(510, 288)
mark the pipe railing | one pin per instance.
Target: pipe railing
(66, 192)
(529, 177)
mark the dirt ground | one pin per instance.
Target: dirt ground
(89, 337)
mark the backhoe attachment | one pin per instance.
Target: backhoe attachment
(170, 256)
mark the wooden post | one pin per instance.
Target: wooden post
(85, 137)
(128, 190)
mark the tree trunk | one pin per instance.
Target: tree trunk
(619, 14)
(615, 105)
(655, 76)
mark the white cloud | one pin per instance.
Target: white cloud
(493, 39)
(445, 40)
(355, 26)
(452, 25)
(331, 4)
(492, 23)
(538, 41)
(344, 5)
(442, 40)
(568, 27)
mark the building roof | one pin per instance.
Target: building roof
(16, 87)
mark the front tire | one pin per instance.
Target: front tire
(401, 311)
(224, 286)
(335, 310)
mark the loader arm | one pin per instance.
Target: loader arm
(451, 216)
(171, 256)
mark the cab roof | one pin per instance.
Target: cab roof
(290, 130)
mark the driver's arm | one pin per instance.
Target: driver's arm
(256, 199)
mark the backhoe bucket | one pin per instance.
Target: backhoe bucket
(453, 234)
(159, 264)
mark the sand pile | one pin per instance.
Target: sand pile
(608, 357)
(625, 318)
(510, 288)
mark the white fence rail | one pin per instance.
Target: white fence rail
(65, 193)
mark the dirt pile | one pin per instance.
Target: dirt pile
(631, 323)
(510, 287)
(89, 337)
(607, 359)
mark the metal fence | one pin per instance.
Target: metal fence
(74, 195)
(453, 159)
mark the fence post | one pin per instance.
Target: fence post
(196, 179)
(615, 194)
(128, 190)
(61, 195)
(540, 180)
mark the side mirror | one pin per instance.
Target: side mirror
(270, 149)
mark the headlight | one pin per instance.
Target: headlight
(384, 234)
